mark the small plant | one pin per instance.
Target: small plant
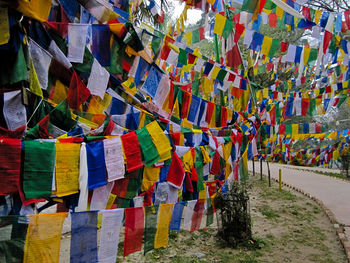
(233, 215)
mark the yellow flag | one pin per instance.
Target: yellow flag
(43, 238)
(206, 158)
(97, 105)
(37, 9)
(187, 160)
(227, 150)
(214, 72)
(220, 22)
(160, 140)
(208, 85)
(162, 234)
(266, 93)
(279, 12)
(266, 45)
(176, 109)
(295, 129)
(336, 154)
(319, 106)
(318, 14)
(4, 25)
(188, 37)
(182, 22)
(59, 93)
(150, 176)
(307, 51)
(34, 85)
(111, 200)
(212, 123)
(67, 168)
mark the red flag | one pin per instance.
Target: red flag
(326, 40)
(273, 116)
(201, 33)
(215, 167)
(77, 93)
(166, 49)
(233, 56)
(273, 20)
(304, 106)
(15, 134)
(284, 46)
(188, 183)
(185, 104)
(210, 110)
(238, 32)
(134, 228)
(131, 147)
(10, 163)
(282, 129)
(176, 172)
(120, 187)
(197, 215)
(223, 116)
(347, 18)
(318, 127)
(306, 12)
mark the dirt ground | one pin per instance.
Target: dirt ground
(287, 227)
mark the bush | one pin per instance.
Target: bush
(233, 215)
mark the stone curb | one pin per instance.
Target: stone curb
(338, 228)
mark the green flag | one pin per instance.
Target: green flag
(195, 36)
(38, 171)
(149, 151)
(182, 57)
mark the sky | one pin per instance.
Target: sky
(193, 15)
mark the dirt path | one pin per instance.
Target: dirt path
(334, 193)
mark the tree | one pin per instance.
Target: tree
(329, 5)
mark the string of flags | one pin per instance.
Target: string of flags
(115, 119)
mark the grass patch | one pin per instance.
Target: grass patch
(268, 212)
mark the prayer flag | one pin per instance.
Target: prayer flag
(176, 173)
(77, 93)
(109, 236)
(77, 34)
(160, 140)
(162, 234)
(114, 159)
(149, 150)
(83, 180)
(101, 35)
(38, 171)
(134, 229)
(37, 9)
(175, 222)
(67, 168)
(188, 214)
(131, 148)
(96, 164)
(220, 22)
(150, 177)
(83, 242)
(10, 164)
(197, 215)
(98, 79)
(43, 238)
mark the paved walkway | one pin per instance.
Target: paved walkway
(333, 193)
